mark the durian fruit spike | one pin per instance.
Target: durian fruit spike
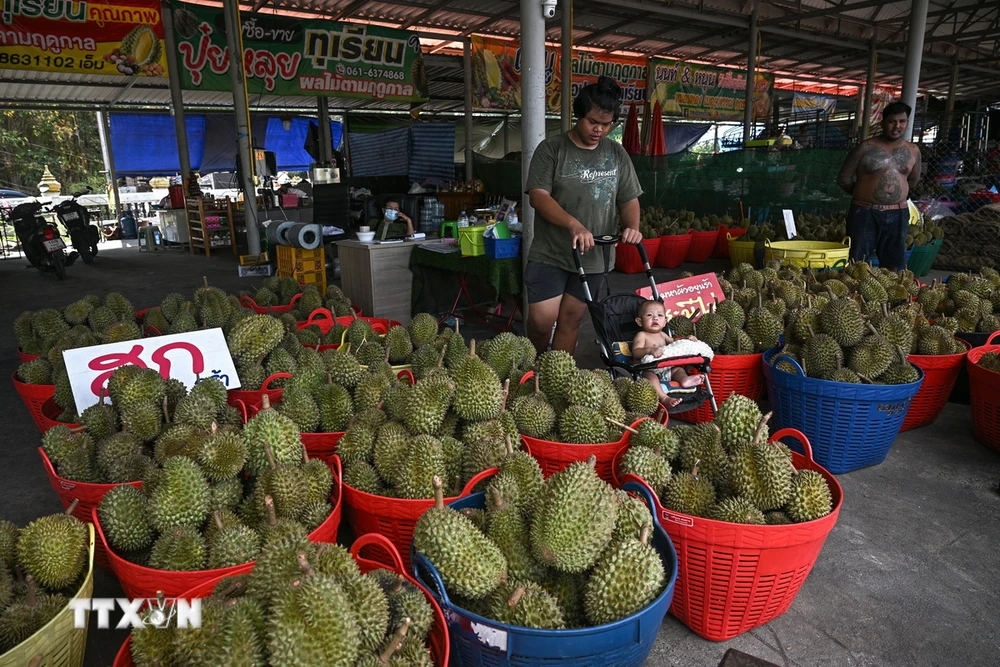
(622, 426)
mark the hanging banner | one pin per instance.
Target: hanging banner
(294, 56)
(496, 74)
(881, 97)
(811, 104)
(706, 92)
(119, 37)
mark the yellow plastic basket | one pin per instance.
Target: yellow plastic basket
(740, 251)
(58, 643)
(809, 254)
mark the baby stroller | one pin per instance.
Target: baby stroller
(614, 321)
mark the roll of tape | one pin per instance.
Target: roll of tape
(281, 234)
(305, 236)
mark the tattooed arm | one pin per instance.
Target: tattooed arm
(914, 176)
(848, 173)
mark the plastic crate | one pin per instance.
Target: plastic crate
(984, 388)
(940, 374)
(438, 639)
(503, 248)
(721, 250)
(740, 252)
(922, 258)
(471, 241)
(808, 254)
(673, 249)
(627, 258)
(293, 261)
(702, 245)
(736, 577)
(144, 582)
(477, 641)
(34, 397)
(58, 642)
(730, 374)
(394, 517)
(850, 426)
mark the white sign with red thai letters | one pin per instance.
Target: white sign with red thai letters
(690, 297)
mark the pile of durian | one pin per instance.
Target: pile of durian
(655, 222)
(566, 552)
(302, 604)
(968, 302)
(726, 470)
(275, 291)
(40, 565)
(990, 361)
(810, 227)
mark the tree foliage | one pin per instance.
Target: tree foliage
(66, 141)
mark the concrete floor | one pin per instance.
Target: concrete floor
(907, 578)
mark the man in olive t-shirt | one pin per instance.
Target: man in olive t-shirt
(578, 183)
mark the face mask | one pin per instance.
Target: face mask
(390, 214)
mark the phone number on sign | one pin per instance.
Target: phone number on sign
(373, 73)
(67, 62)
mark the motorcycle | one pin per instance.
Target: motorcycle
(40, 240)
(76, 220)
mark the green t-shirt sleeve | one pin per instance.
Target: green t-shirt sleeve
(628, 182)
(542, 168)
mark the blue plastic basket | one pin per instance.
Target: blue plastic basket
(481, 642)
(503, 248)
(850, 426)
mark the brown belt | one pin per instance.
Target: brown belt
(879, 207)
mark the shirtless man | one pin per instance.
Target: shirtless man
(878, 174)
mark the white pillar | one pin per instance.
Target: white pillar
(566, 65)
(532, 104)
(866, 118)
(467, 79)
(914, 53)
(104, 134)
(234, 43)
(176, 96)
(751, 73)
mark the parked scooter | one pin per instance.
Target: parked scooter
(40, 240)
(76, 219)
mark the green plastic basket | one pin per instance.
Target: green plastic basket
(922, 258)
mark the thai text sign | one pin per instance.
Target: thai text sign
(496, 74)
(119, 37)
(686, 296)
(293, 56)
(702, 91)
(185, 357)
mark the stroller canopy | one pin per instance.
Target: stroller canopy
(614, 318)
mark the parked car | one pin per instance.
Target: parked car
(13, 194)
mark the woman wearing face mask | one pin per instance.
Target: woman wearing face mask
(399, 223)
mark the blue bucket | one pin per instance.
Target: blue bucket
(850, 426)
(477, 641)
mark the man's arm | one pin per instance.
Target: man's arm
(914, 176)
(629, 212)
(848, 172)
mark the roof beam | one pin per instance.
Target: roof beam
(587, 39)
(349, 9)
(424, 14)
(828, 11)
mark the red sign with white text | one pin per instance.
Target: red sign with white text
(685, 296)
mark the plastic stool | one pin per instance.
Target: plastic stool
(449, 225)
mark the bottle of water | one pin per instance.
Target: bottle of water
(463, 220)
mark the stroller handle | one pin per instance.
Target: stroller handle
(608, 239)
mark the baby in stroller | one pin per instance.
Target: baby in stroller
(650, 344)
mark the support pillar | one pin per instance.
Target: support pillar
(949, 109)
(506, 135)
(532, 105)
(859, 111)
(325, 152)
(104, 134)
(751, 73)
(467, 79)
(866, 118)
(234, 44)
(176, 96)
(914, 54)
(566, 65)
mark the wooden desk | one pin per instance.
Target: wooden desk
(376, 277)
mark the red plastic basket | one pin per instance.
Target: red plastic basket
(730, 374)
(88, 495)
(394, 517)
(25, 357)
(940, 374)
(142, 582)
(735, 577)
(627, 258)
(380, 325)
(50, 417)
(722, 243)
(34, 397)
(321, 317)
(438, 639)
(554, 456)
(247, 302)
(673, 250)
(702, 245)
(984, 389)
(255, 396)
(321, 445)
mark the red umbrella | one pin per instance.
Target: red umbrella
(630, 135)
(657, 143)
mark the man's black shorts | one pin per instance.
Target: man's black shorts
(878, 232)
(546, 281)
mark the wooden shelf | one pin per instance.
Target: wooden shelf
(206, 239)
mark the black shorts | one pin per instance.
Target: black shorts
(545, 281)
(881, 233)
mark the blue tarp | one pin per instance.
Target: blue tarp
(145, 144)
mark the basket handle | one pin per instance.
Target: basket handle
(320, 315)
(242, 407)
(295, 299)
(467, 489)
(636, 485)
(993, 336)
(407, 375)
(526, 377)
(839, 263)
(155, 332)
(436, 587)
(795, 364)
(248, 302)
(380, 328)
(767, 243)
(798, 435)
(382, 542)
(846, 241)
(277, 376)
(338, 475)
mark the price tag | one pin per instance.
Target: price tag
(185, 357)
(789, 223)
(684, 297)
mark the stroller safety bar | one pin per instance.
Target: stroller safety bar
(611, 240)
